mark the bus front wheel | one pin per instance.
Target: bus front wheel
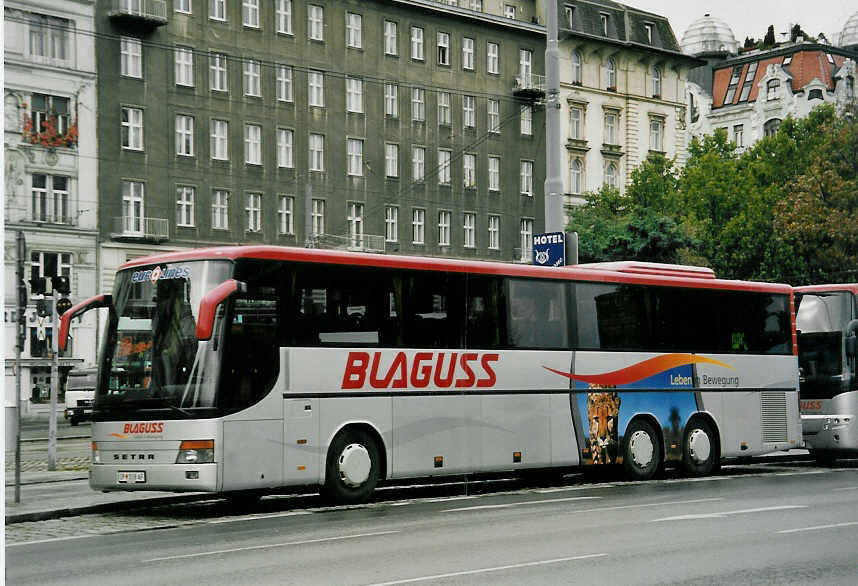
(641, 450)
(699, 449)
(352, 469)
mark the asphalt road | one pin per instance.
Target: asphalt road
(761, 525)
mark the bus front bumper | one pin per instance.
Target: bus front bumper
(151, 477)
(830, 432)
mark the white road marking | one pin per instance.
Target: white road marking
(846, 488)
(494, 569)
(438, 499)
(258, 517)
(510, 505)
(819, 527)
(807, 473)
(723, 514)
(269, 546)
(51, 540)
(570, 488)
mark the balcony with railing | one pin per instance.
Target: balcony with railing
(140, 228)
(529, 86)
(146, 14)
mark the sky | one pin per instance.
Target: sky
(751, 18)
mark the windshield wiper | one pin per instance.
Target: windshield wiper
(164, 403)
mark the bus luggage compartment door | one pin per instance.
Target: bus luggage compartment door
(301, 453)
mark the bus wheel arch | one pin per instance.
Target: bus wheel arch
(643, 448)
(354, 464)
(701, 446)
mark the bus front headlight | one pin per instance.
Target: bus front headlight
(196, 452)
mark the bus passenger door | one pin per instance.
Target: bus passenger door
(301, 434)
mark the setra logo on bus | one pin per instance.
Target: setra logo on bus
(443, 369)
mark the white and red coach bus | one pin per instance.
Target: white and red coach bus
(258, 367)
(827, 322)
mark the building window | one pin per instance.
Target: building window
(354, 23)
(132, 129)
(418, 163)
(850, 86)
(655, 82)
(493, 109)
(569, 13)
(418, 104)
(656, 134)
(185, 206)
(252, 75)
(50, 264)
(217, 72)
(494, 232)
(469, 111)
(492, 58)
(391, 100)
(444, 218)
(576, 117)
(814, 94)
(603, 18)
(418, 226)
(526, 239)
(444, 161)
(355, 221)
(354, 95)
(611, 175)
(739, 135)
(183, 6)
(470, 229)
(391, 224)
(184, 57)
(217, 10)
(648, 32)
(610, 128)
(749, 79)
(770, 128)
(526, 178)
(576, 67)
(317, 152)
(525, 68)
(132, 207)
(443, 49)
(50, 199)
(49, 37)
(391, 38)
(285, 142)
(283, 16)
(286, 214)
(354, 157)
(692, 108)
(253, 212)
(184, 135)
(284, 83)
(253, 144)
(316, 22)
(317, 216)
(527, 120)
(611, 74)
(576, 176)
(509, 11)
(477, 5)
(772, 87)
(220, 140)
(316, 85)
(444, 112)
(734, 82)
(250, 13)
(131, 63)
(391, 160)
(45, 106)
(494, 173)
(417, 43)
(469, 168)
(220, 209)
(467, 53)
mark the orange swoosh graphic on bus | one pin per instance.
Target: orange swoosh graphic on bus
(119, 435)
(641, 370)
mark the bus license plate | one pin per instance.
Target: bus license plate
(130, 477)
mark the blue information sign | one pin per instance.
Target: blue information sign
(549, 249)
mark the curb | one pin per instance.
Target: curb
(107, 507)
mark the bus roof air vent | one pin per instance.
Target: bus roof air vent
(651, 268)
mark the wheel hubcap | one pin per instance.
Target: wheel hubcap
(354, 465)
(699, 446)
(641, 448)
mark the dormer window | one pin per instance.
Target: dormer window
(830, 58)
(787, 60)
(604, 18)
(772, 88)
(850, 87)
(569, 11)
(648, 31)
(814, 94)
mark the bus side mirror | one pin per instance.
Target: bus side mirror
(77, 311)
(852, 338)
(209, 303)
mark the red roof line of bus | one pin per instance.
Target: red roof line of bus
(590, 272)
(853, 287)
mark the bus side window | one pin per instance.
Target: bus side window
(486, 312)
(434, 311)
(537, 314)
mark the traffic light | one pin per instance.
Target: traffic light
(63, 305)
(61, 285)
(38, 285)
(44, 307)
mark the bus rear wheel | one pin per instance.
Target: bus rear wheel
(641, 450)
(699, 449)
(352, 468)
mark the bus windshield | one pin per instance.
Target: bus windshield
(152, 340)
(820, 320)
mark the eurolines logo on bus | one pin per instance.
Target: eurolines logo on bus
(158, 273)
(444, 369)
